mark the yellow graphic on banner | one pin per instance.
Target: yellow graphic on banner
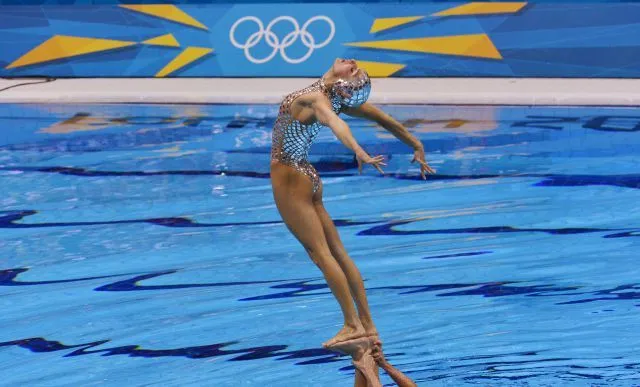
(189, 55)
(472, 45)
(61, 46)
(482, 8)
(167, 12)
(475, 45)
(386, 23)
(167, 40)
(380, 69)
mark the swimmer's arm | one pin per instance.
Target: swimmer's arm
(401, 379)
(326, 116)
(372, 113)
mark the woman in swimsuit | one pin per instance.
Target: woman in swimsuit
(297, 188)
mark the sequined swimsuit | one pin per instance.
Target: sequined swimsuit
(292, 139)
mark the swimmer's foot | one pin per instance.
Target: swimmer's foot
(360, 350)
(355, 347)
(374, 337)
(370, 329)
(345, 334)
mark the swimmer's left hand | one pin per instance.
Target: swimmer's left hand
(364, 158)
(418, 156)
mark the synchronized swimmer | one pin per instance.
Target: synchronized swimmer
(297, 190)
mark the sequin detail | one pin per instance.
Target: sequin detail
(292, 139)
(354, 92)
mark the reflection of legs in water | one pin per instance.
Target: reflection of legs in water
(401, 379)
(360, 352)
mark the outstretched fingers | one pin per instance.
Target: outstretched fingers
(376, 162)
(426, 167)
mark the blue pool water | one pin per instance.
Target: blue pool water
(140, 246)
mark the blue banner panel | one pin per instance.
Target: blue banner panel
(513, 39)
(399, 2)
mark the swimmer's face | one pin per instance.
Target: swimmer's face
(346, 69)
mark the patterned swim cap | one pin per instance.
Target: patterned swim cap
(355, 92)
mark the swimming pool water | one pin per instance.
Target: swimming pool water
(140, 245)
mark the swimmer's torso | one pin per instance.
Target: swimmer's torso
(292, 139)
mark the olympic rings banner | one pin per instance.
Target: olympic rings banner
(493, 39)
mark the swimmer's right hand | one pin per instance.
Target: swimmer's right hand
(377, 354)
(364, 158)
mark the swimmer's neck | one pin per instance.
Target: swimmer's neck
(329, 78)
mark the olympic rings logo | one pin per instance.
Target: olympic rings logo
(274, 42)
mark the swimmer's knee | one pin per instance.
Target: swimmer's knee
(320, 259)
